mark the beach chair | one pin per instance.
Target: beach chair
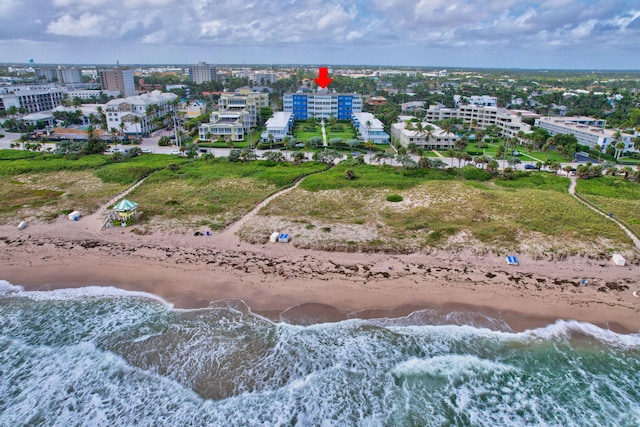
(283, 238)
(512, 260)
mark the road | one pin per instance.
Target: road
(151, 143)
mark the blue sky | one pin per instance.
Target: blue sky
(589, 34)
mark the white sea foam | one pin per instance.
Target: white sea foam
(450, 365)
(569, 328)
(90, 292)
(6, 287)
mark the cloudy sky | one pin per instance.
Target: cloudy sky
(591, 34)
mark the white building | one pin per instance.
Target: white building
(430, 137)
(278, 126)
(586, 131)
(202, 72)
(227, 125)
(509, 123)
(32, 100)
(244, 99)
(262, 77)
(485, 100)
(92, 94)
(370, 128)
(137, 113)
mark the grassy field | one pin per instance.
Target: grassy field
(616, 195)
(370, 176)
(213, 193)
(48, 195)
(45, 186)
(533, 214)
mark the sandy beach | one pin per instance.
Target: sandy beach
(303, 286)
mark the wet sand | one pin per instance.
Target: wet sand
(305, 286)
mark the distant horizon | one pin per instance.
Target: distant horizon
(312, 65)
(500, 34)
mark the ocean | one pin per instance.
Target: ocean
(101, 356)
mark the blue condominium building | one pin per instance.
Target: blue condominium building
(322, 105)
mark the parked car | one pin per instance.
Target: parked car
(175, 152)
(147, 150)
(530, 166)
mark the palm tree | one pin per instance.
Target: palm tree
(114, 135)
(369, 145)
(368, 125)
(136, 121)
(619, 149)
(599, 148)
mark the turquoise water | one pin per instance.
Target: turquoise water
(102, 356)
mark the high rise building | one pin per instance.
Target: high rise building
(120, 79)
(202, 72)
(322, 105)
(69, 75)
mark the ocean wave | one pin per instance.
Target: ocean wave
(6, 287)
(88, 291)
(449, 366)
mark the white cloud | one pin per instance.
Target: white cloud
(85, 25)
(336, 17)
(158, 37)
(211, 28)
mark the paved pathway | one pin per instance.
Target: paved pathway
(572, 191)
(324, 134)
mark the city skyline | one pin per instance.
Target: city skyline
(534, 34)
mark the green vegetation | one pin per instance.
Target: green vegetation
(615, 195)
(43, 162)
(213, 193)
(303, 130)
(537, 180)
(370, 176)
(132, 170)
(50, 194)
(539, 216)
(394, 198)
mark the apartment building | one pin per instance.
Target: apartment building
(32, 100)
(244, 99)
(278, 126)
(437, 139)
(370, 128)
(59, 74)
(89, 94)
(322, 105)
(484, 100)
(262, 78)
(237, 114)
(587, 130)
(119, 79)
(202, 72)
(227, 125)
(508, 122)
(138, 112)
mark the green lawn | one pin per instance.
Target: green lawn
(303, 130)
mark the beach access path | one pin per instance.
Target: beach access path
(572, 191)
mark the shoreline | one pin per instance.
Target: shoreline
(307, 286)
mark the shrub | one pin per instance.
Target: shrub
(394, 198)
(475, 174)
(173, 166)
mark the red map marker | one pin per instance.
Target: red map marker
(323, 78)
